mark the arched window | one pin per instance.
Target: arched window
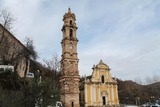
(70, 22)
(104, 100)
(102, 79)
(71, 33)
(72, 104)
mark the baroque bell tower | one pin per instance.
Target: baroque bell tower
(69, 63)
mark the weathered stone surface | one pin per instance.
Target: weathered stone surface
(69, 63)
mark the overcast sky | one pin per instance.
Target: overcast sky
(125, 34)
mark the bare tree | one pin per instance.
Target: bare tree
(53, 66)
(152, 79)
(156, 78)
(138, 80)
(32, 54)
(148, 80)
(6, 19)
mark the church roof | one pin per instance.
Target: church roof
(102, 65)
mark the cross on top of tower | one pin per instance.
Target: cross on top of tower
(69, 10)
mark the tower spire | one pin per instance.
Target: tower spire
(69, 10)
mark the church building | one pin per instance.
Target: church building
(99, 89)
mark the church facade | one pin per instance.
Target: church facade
(99, 89)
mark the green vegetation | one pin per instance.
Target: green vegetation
(26, 92)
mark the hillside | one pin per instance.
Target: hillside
(130, 91)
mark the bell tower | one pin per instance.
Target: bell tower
(69, 79)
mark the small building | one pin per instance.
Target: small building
(99, 89)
